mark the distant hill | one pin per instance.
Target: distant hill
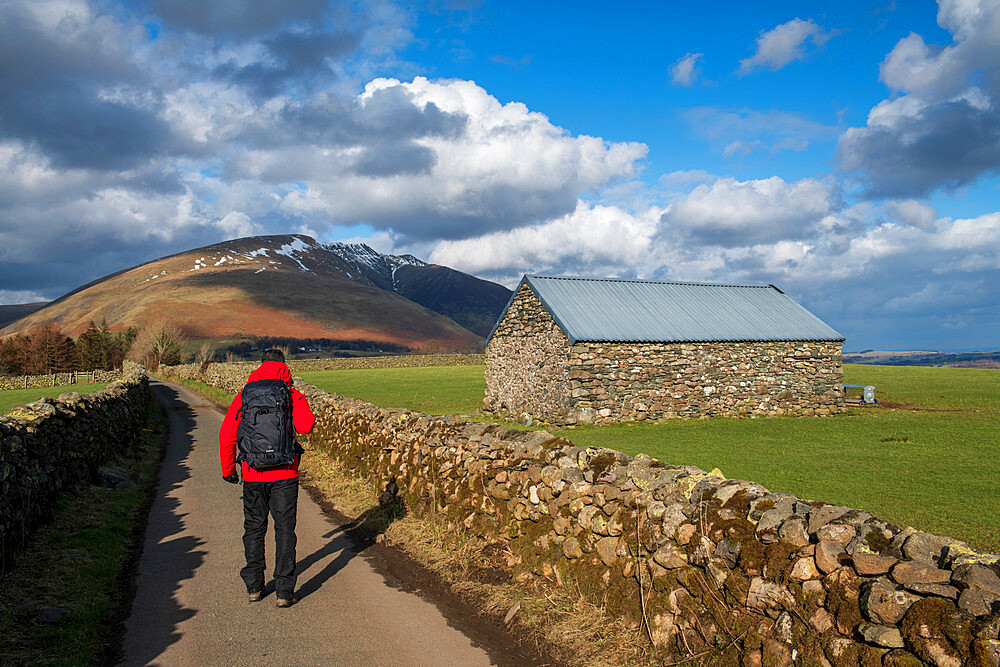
(14, 312)
(925, 358)
(287, 286)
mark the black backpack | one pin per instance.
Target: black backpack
(266, 436)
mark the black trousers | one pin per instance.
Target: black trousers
(280, 499)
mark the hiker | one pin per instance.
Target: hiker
(258, 431)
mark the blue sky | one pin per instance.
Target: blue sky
(845, 151)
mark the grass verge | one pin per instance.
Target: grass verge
(80, 561)
(11, 397)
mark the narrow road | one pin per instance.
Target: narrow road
(190, 605)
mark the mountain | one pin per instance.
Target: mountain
(14, 312)
(472, 302)
(284, 286)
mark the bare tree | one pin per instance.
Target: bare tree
(204, 356)
(159, 342)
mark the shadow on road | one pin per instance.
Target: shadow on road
(350, 540)
(175, 558)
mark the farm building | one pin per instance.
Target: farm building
(598, 350)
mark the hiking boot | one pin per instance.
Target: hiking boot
(284, 603)
(255, 597)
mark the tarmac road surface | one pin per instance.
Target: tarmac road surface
(190, 605)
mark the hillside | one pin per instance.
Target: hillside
(14, 312)
(287, 285)
(925, 358)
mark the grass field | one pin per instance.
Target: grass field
(439, 390)
(926, 456)
(11, 397)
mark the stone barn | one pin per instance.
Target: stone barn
(597, 350)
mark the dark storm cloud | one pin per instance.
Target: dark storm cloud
(77, 129)
(52, 92)
(382, 161)
(237, 17)
(295, 59)
(948, 145)
(388, 118)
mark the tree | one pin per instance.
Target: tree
(159, 342)
(204, 356)
(50, 351)
(101, 348)
(14, 354)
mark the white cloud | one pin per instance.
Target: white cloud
(19, 296)
(933, 73)
(783, 44)
(731, 212)
(604, 239)
(940, 128)
(236, 224)
(913, 212)
(684, 72)
(504, 166)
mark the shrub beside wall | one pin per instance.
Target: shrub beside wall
(729, 572)
(55, 443)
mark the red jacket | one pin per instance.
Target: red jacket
(302, 419)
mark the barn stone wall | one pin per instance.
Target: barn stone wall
(640, 381)
(527, 362)
(531, 368)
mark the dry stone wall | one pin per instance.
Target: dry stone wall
(532, 369)
(55, 443)
(55, 379)
(730, 572)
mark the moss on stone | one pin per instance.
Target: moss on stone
(876, 541)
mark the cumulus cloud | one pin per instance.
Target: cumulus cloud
(783, 44)
(942, 128)
(934, 274)
(912, 212)
(606, 239)
(684, 72)
(735, 213)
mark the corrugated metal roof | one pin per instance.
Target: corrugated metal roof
(612, 309)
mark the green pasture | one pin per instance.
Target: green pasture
(11, 397)
(927, 456)
(439, 390)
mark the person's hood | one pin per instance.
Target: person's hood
(272, 370)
